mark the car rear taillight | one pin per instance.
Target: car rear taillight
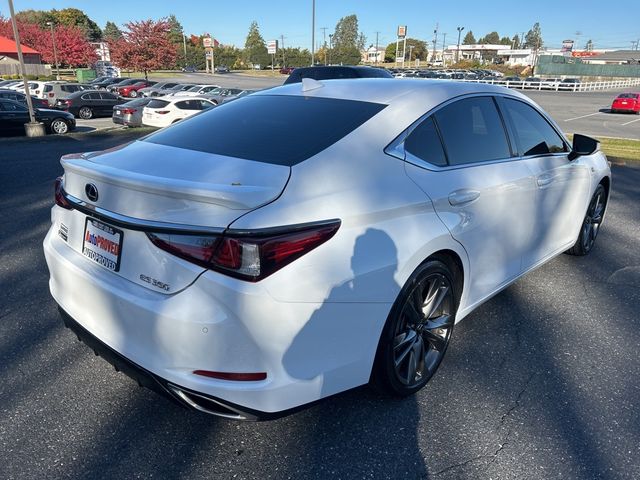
(51, 94)
(60, 199)
(250, 256)
(128, 110)
(162, 112)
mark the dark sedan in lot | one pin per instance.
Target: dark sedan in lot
(89, 104)
(106, 82)
(22, 98)
(130, 113)
(14, 115)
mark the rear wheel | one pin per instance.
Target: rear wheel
(591, 223)
(59, 126)
(417, 332)
(133, 93)
(85, 113)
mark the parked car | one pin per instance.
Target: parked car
(22, 98)
(189, 69)
(239, 264)
(218, 95)
(326, 73)
(99, 79)
(155, 89)
(243, 93)
(35, 88)
(178, 87)
(8, 83)
(130, 113)
(512, 79)
(572, 84)
(13, 116)
(162, 112)
(532, 82)
(115, 88)
(222, 69)
(89, 104)
(286, 70)
(133, 89)
(108, 81)
(626, 102)
(551, 83)
(197, 90)
(54, 91)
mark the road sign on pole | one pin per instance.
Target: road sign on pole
(272, 47)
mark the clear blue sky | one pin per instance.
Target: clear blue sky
(610, 24)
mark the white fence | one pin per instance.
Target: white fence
(562, 86)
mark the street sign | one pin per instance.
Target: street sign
(402, 31)
(272, 47)
(207, 42)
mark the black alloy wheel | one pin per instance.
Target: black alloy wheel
(591, 223)
(417, 332)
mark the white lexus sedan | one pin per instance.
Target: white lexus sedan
(165, 111)
(308, 239)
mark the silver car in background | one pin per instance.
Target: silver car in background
(130, 113)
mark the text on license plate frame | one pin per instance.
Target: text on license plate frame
(97, 248)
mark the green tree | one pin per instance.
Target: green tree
(74, 17)
(490, 38)
(39, 17)
(296, 57)
(346, 41)
(227, 55)
(111, 32)
(516, 41)
(175, 30)
(505, 41)
(533, 38)
(419, 52)
(469, 39)
(255, 50)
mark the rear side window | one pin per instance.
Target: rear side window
(188, 105)
(533, 133)
(107, 96)
(424, 142)
(281, 130)
(48, 88)
(472, 131)
(155, 103)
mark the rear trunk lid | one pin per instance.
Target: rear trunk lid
(144, 183)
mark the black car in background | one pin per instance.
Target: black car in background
(332, 72)
(22, 98)
(103, 84)
(90, 103)
(14, 115)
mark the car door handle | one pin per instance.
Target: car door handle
(463, 196)
(544, 180)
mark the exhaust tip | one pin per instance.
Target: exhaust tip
(206, 404)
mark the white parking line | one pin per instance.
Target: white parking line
(632, 121)
(582, 116)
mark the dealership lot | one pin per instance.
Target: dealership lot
(541, 381)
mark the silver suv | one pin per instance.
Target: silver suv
(53, 91)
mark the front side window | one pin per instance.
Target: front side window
(472, 131)
(533, 133)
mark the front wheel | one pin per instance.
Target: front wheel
(417, 332)
(591, 223)
(133, 93)
(85, 113)
(59, 126)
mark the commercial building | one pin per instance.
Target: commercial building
(9, 53)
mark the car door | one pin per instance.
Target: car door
(14, 115)
(107, 102)
(461, 157)
(562, 186)
(186, 108)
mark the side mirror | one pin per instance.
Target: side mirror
(583, 145)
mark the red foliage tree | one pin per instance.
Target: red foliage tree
(73, 48)
(144, 46)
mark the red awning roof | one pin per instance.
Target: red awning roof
(9, 46)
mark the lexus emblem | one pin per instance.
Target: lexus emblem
(92, 192)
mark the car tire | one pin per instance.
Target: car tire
(85, 113)
(59, 126)
(591, 223)
(417, 332)
(133, 93)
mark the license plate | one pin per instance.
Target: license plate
(102, 243)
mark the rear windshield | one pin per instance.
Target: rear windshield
(628, 95)
(155, 103)
(281, 130)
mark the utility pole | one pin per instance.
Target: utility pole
(330, 46)
(284, 64)
(435, 43)
(184, 45)
(313, 32)
(460, 29)
(55, 51)
(324, 43)
(33, 128)
(377, 33)
(444, 42)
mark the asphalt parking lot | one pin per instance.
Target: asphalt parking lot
(542, 381)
